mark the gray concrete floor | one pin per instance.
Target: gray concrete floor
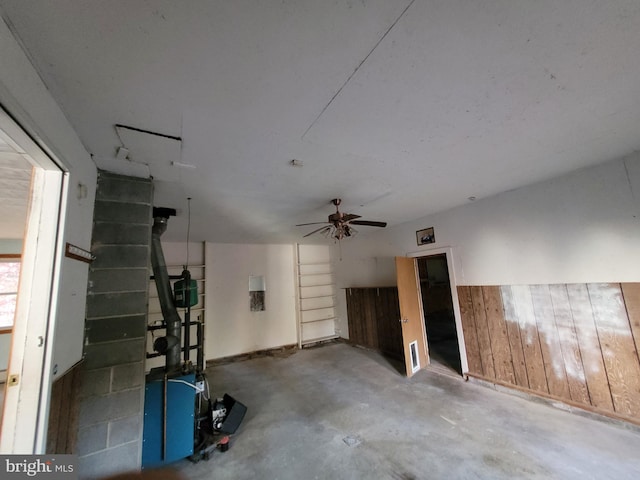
(339, 412)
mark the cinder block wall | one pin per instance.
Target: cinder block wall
(112, 391)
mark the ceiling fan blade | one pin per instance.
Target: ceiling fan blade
(313, 223)
(349, 216)
(317, 230)
(368, 223)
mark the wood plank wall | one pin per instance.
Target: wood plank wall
(579, 343)
(373, 315)
(63, 412)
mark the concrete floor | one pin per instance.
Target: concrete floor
(339, 412)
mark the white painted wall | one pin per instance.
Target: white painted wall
(231, 328)
(582, 227)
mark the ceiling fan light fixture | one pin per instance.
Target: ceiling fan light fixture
(340, 225)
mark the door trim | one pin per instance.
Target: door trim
(448, 251)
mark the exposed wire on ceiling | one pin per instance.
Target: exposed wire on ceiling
(393, 24)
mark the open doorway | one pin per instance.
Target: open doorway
(439, 315)
(15, 180)
(31, 217)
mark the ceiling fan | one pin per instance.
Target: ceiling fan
(340, 225)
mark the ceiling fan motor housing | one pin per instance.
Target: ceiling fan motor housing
(335, 217)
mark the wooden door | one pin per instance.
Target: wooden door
(413, 335)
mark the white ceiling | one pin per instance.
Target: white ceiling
(401, 108)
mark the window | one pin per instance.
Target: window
(9, 277)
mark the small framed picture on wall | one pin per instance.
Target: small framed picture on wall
(425, 236)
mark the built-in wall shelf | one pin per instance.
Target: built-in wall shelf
(322, 320)
(316, 295)
(313, 309)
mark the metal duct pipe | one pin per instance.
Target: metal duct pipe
(172, 320)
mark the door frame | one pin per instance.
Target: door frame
(26, 405)
(448, 251)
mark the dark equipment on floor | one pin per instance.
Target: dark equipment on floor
(180, 418)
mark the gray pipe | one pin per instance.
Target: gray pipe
(172, 320)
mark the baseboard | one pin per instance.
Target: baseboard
(386, 353)
(322, 342)
(281, 352)
(623, 421)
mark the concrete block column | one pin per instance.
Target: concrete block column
(112, 392)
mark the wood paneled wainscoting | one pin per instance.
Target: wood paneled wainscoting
(64, 410)
(578, 343)
(374, 319)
